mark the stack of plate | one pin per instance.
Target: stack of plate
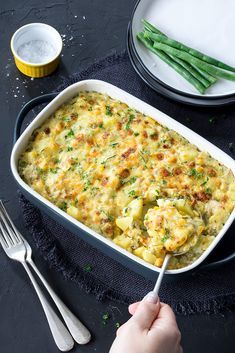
(207, 25)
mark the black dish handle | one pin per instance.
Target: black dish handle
(46, 98)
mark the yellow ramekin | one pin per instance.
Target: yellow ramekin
(36, 31)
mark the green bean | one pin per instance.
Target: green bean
(186, 74)
(205, 74)
(192, 70)
(192, 60)
(197, 54)
(149, 27)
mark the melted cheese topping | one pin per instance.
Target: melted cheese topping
(130, 179)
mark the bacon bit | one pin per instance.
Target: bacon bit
(177, 171)
(104, 181)
(212, 173)
(164, 172)
(80, 138)
(192, 164)
(119, 125)
(90, 141)
(124, 173)
(202, 196)
(128, 152)
(97, 213)
(224, 198)
(160, 156)
(146, 122)
(144, 133)
(130, 132)
(165, 146)
(47, 130)
(105, 135)
(109, 230)
(74, 116)
(172, 140)
(104, 220)
(154, 136)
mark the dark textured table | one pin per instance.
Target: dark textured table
(90, 30)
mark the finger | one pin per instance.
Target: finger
(165, 317)
(132, 308)
(146, 313)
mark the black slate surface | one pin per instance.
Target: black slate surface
(92, 29)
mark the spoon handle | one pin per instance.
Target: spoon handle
(161, 273)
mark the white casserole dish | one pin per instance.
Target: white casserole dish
(116, 93)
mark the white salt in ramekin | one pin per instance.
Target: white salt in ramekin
(36, 31)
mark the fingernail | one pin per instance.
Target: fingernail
(151, 297)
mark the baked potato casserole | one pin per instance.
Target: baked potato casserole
(129, 178)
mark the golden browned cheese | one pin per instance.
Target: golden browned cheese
(129, 178)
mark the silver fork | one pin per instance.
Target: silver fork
(79, 332)
(15, 249)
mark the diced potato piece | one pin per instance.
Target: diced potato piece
(135, 208)
(149, 257)
(73, 211)
(188, 155)
(124, 222)
(30, 156)
(139, 251)
(122, 241)
(183, 206)
(158, 262)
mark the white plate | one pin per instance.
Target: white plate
(206, 25)
(119, 94)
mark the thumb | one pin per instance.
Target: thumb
(146, 311)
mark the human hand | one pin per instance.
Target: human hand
(151, 329)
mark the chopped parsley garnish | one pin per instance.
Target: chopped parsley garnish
(69, 134)
(87, 268)
(90, 109)
(108, 110)
(69, 149)
(53, 171)
(117, 324)
(105, 318)
(136, 133)
(108, 159)
(164, 182)
(131, 117)
(86, 186)
(63, 206)
(66, 118)
(166, 236)
(208, 190)
(212, 120)
(109, 217)
(114, 144)
(132, 193)
(204, 183)
(132, 180)
(56, 160)
(193, 172)
(101, 126)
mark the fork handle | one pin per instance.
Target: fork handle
(61, 336)
(79, 332)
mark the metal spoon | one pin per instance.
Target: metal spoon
(163, 269)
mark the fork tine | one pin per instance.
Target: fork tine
(9, 224)
(10, 232)
(4, 239)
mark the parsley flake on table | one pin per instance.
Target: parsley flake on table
(105, 318)
(87, 268)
